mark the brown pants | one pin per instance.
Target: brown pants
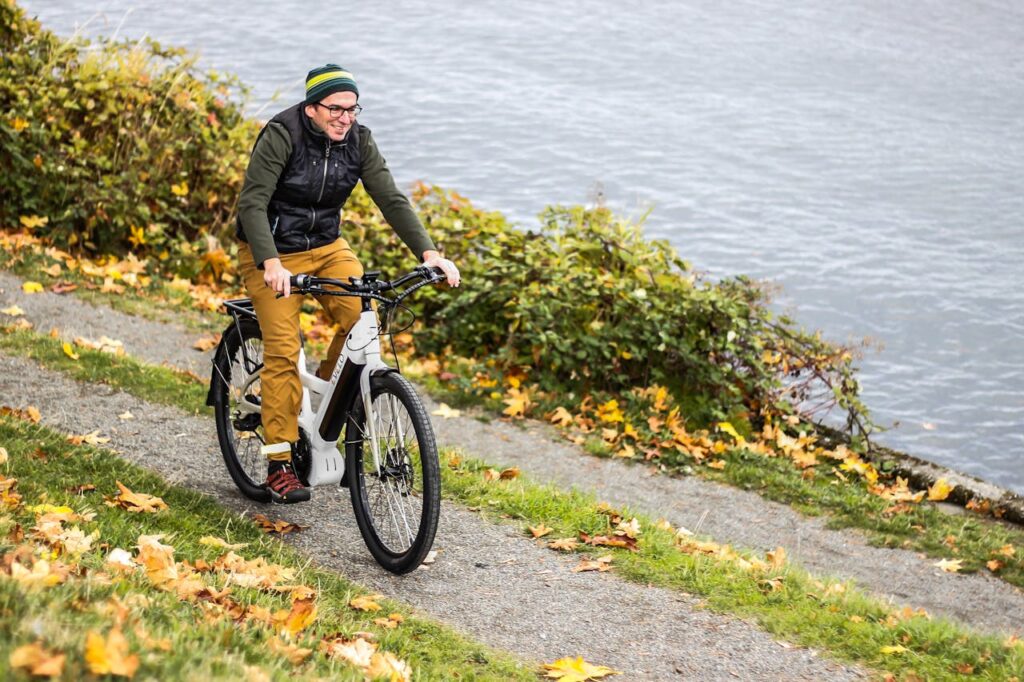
(281, 388)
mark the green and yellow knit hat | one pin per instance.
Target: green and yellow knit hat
(327, 80)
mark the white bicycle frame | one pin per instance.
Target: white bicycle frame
(362, 347)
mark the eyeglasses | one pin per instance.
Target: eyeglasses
(336, 112)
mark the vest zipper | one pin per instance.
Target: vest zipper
(323, 185)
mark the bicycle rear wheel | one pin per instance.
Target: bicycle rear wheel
(236, 389)
(398, 503)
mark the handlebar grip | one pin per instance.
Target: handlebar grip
(300, 281)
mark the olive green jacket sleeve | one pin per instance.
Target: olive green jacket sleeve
(265, 167)
(391, 201)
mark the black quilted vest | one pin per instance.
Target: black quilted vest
(305, 209)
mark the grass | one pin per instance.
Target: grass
(786, 601)
(971, 537)
(199, 643)
(161, 385)
(846, 623)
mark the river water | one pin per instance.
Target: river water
(866, 156)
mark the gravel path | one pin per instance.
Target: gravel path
(488, 581)
(728, 514)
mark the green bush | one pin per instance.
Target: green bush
(586, 304)
(119, 146)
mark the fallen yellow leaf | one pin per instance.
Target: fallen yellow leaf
(32, 287)
(561, 417)
(892, 649)
(292, 652)
(359, 652)
(180, 189)
(950, 565)
(91, 438)
(69, 351)
(211, 541)
(601, 564)
(301, 616)
(37, 661)
(13, 311)
(384, 664)
(539, 531)
(366, 602)
(564, 544)
(135, 502)
(446, 412)
(109, 656)
(940, 490)
(576, 670)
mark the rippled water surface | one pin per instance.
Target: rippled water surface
(867, 156)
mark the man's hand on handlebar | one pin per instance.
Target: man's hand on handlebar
(277, 276)
(433, 259)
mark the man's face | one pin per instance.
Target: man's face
(320, 114)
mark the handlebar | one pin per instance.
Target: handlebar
(366, 286)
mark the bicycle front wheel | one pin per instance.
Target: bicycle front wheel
(396, 496)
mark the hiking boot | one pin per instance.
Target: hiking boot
(284, 485)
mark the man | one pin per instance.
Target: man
(305, 163)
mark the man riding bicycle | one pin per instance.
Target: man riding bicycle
(304, 165)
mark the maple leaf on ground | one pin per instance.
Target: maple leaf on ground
(892, 649)
(69, 351)
(539, 531)
(576, 670)
(777, 558)
(32, 287)
(110, 656)
(359, 652)
(279, 526)
(940, 490)
(158, 559)
(91, 438)
(1006, 550)
(37, 661)
(366, 602)
(601, 564)
(211, 541)
(950, 565)
(564, 544)
(385, 664)
(391, 622)
(446, 412)
(561, 417)
(135, 502)
(13, 311)
(509, 474)
(301, 616)
(295, 654)
(610, 541)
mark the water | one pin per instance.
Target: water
(867, 156)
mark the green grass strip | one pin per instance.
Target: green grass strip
(161, 385)
(47, 468)
(923, 527)
(799, 608)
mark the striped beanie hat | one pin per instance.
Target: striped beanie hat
(327, 80)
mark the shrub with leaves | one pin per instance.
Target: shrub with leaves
(587, 304)
(118, 146)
